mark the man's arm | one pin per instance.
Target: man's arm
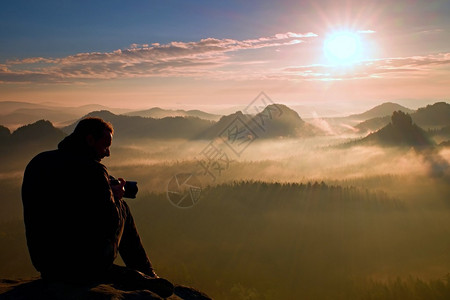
(130, 247)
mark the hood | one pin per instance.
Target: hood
(76, 145)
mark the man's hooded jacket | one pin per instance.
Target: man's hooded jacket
(74, 226)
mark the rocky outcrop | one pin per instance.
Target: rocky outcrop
(401, 132)
(37, 289)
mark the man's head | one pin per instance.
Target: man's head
(96, 134)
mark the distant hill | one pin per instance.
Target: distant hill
(436, 115)
(159, 113)
(92, 107)
(30, 115)
(286, 124)
(373, 124)
(40, 133)
(129, 127)
(400, 132)
(7, 107)
(275, 121)
(25, 142)
(223, 124)
(4, 133)
(373, 119)
(16, 114)
(382, 110)
(314, 111)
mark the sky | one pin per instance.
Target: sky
(216, 54)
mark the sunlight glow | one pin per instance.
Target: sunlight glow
(343, 48)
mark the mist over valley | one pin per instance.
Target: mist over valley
(342, 207)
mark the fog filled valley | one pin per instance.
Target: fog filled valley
(268, 205)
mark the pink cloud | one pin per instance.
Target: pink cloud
(208, 58)
(172, 59)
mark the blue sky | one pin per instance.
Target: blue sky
(236, 49)
(55, 28)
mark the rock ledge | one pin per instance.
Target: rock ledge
(37, 289)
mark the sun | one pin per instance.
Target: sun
(342, 48)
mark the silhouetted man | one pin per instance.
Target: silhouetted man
(76, 222)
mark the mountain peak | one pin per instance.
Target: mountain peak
(384, 109)
(4, 132)
(282, 109)
(159, 113)
(401, 120)
(400, 132)
(281, 121)
(433, 114)
(38, 130)
(100, 114)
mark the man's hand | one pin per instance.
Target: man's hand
(153, 274)
(118, 189)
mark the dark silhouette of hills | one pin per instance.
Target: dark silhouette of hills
(129, 127)
(25, 142)
(16, 114)
(435, 115)
(275, 121)
(287, 123)
(432, 116)
(41, 132)
(7, 107)
(373, 119)
(225, 122)
(31, 115)
(4, 133)
(159, 113)
(39, 135)
(401, 131)
(373, 124)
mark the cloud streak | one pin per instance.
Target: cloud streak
(208, 58)
(193, 59)
(403, 67)
(366, 31)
